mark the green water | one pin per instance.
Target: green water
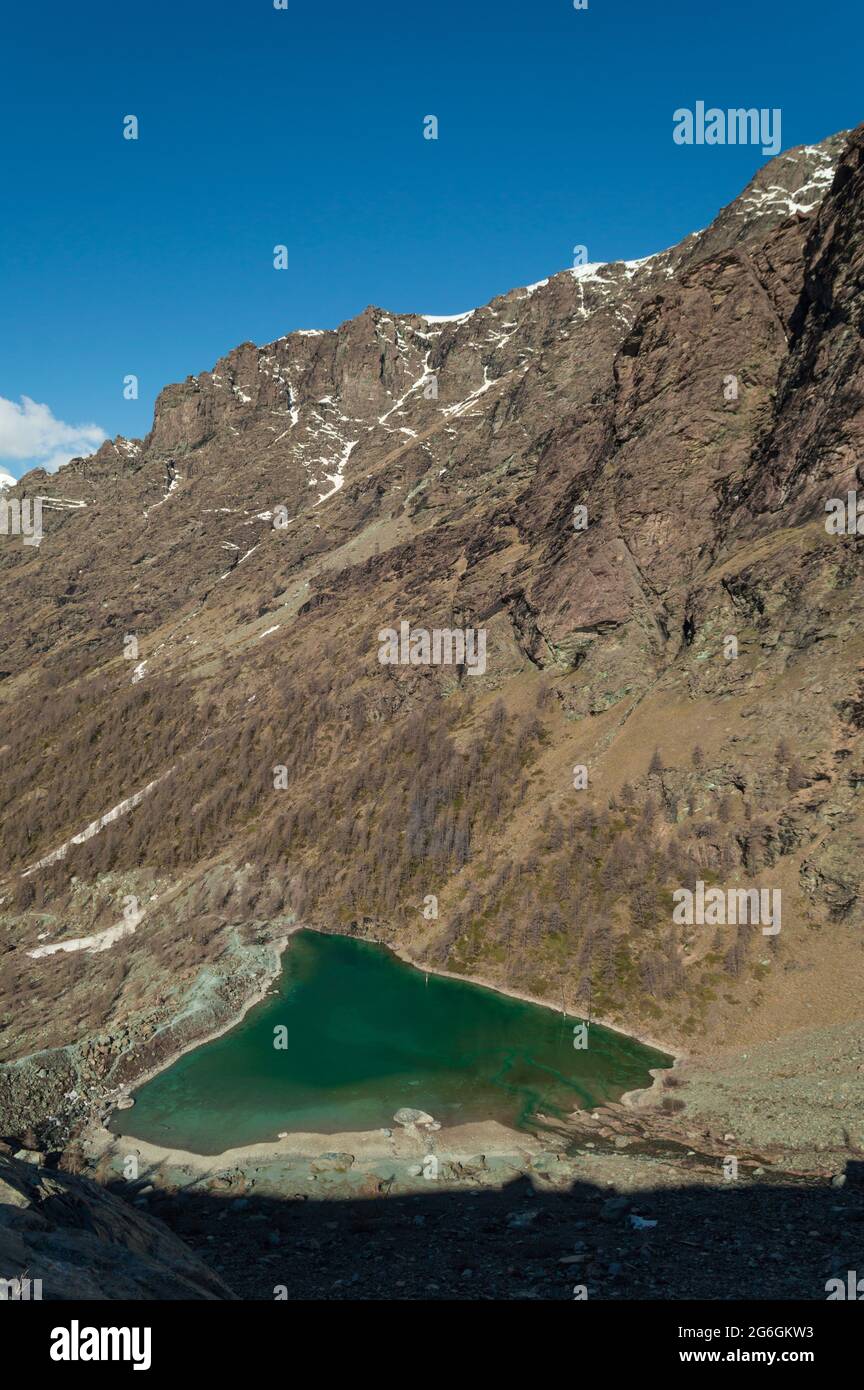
(367, 1034)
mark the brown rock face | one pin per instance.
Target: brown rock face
(618, 475)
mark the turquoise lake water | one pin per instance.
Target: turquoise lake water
(367, 1034)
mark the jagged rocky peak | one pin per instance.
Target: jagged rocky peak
(792, 184)
(364, 377)
(370, 359)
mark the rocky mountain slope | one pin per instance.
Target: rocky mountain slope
(612, 474)
(80, 1242)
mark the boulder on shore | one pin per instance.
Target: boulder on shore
(411, 1120)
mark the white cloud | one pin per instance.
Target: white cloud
(30, 431)
(6, 479)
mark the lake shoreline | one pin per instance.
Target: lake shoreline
(256, 997)
(483, 983)
(315, 1141)
(631, 1100)
(453, 1143)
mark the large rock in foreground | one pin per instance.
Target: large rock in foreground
(84, 1243)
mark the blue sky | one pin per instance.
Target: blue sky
(304, 127)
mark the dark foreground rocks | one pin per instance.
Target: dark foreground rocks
(84, 1243)
(757, 1240)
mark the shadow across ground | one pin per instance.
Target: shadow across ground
(758, 1240)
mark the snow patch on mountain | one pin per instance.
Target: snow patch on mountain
(448, 318)
(96, 825)
(99, 941)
